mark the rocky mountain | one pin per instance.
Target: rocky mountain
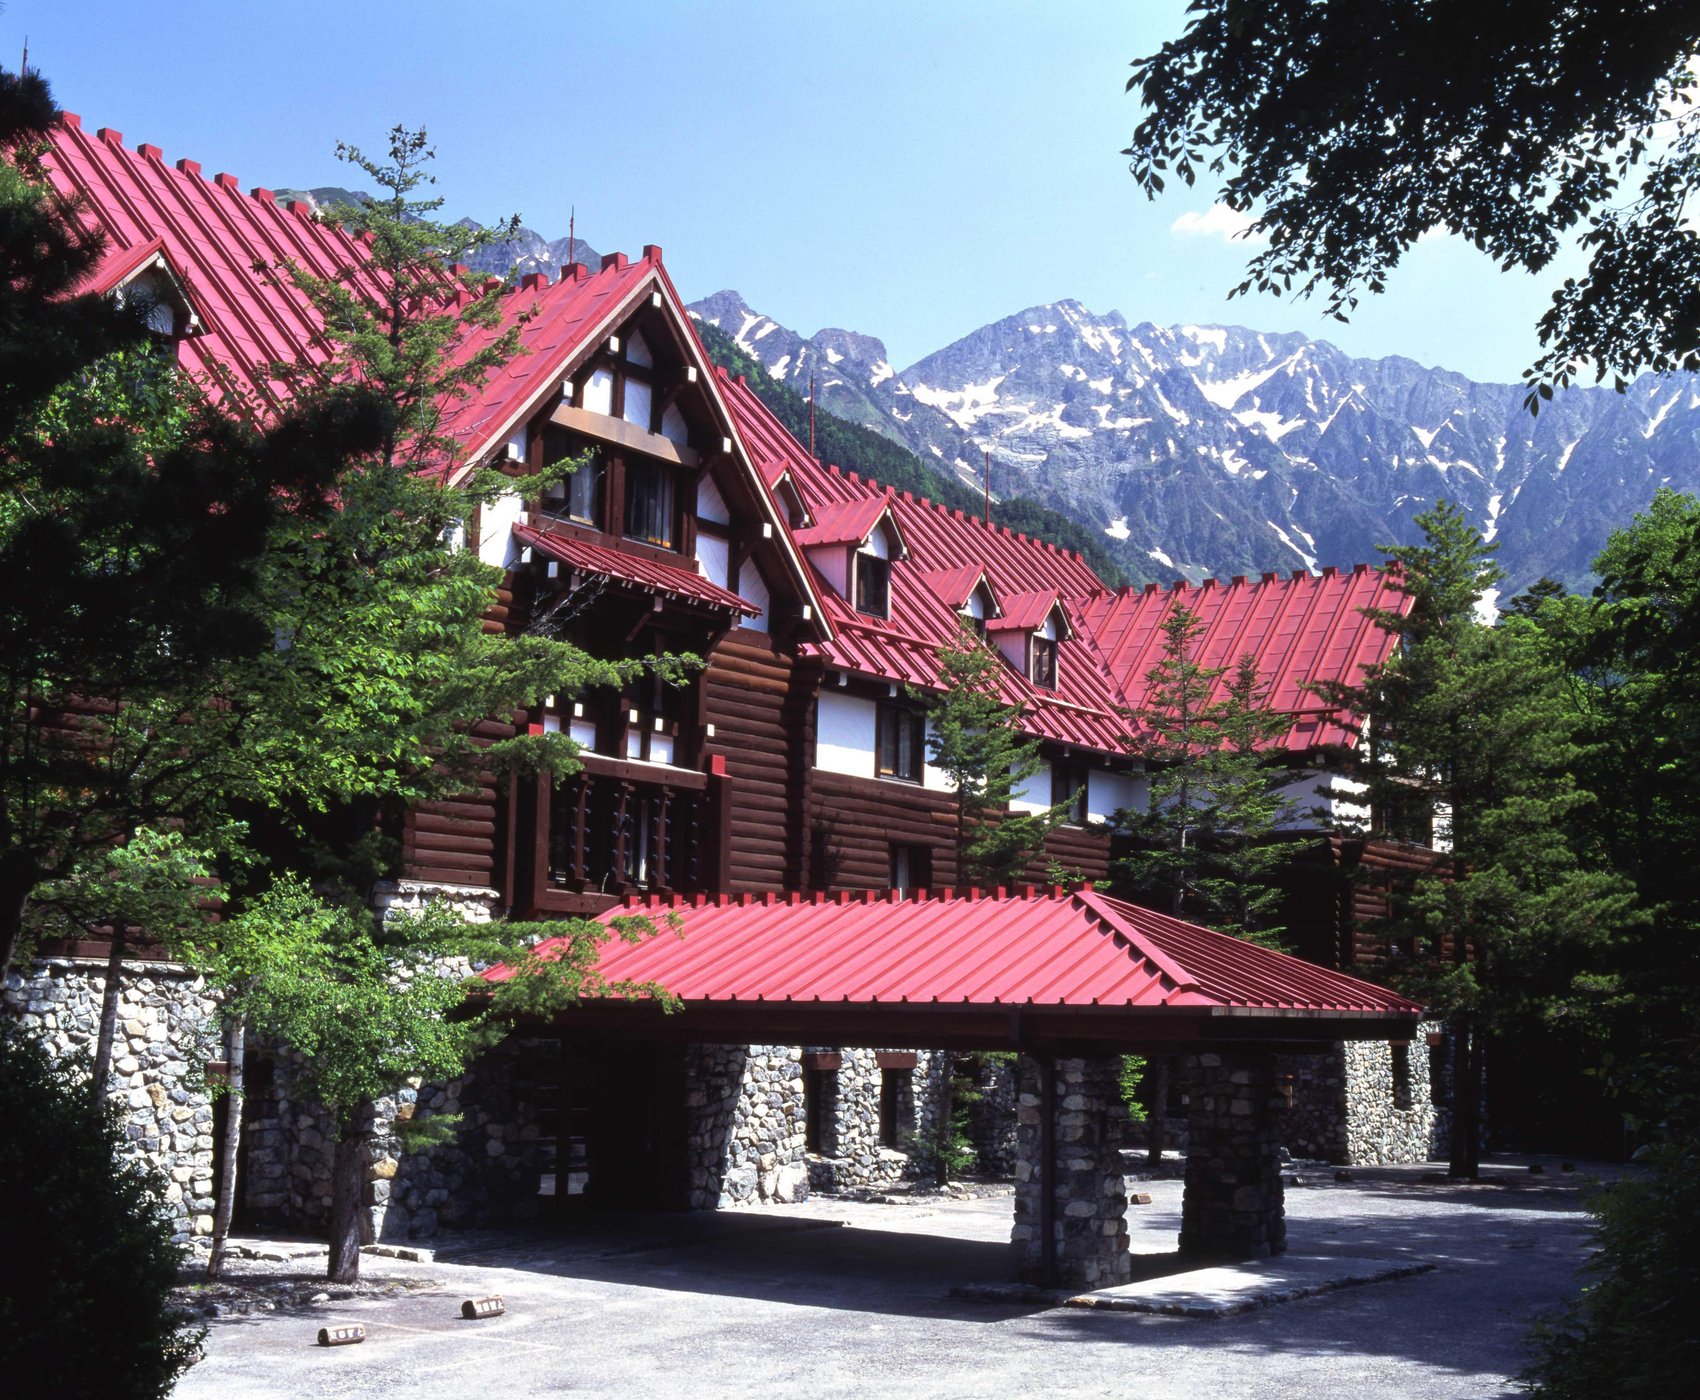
(1221, 450)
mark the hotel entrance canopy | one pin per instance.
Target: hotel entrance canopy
(1067, 971)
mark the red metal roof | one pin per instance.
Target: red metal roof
(954, 587)
(845, 522)
(1044, 949)
(1301, 629)
(1082, 711)
(1025, 612)
(649, 575)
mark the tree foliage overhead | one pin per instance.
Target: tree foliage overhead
(1351, 128)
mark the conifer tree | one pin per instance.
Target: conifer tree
(976, 741)
(382, 672)
(1472, 720)
(132, 522)
(1203, 843)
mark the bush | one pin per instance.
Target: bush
(86, 1259)
(1633, 1332)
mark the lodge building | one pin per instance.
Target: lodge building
(785, 786)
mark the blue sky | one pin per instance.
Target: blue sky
(911, 171)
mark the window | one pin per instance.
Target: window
(649, 502)
(1401, 1074)
(895, 1087)
(873, 585)
(1069, 784)
(1439, 1091)
(1044, 673)
(900, 742)
(911, 867)
(584, 493)
(820, 1101)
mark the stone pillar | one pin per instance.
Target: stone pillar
(1232, 1207)
(1088, 1224)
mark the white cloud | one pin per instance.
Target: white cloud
(1218, 221)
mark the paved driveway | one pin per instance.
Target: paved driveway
(788, 1302)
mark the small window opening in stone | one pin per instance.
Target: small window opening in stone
(1401, 1075)
(895, 1090)
(1437, 1088)
(820, 1087)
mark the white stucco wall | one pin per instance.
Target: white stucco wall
(1107, 793)
(844, 734)
(496, 521)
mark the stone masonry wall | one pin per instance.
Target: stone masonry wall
(1313, 1123)
(1232, 1205)
(852, 1156)
(166, 1024)
(1090, 1191)
(763, 1132)
(1391, 1116)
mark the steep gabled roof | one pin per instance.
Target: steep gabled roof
(1083, 710)
(847, 522)
(1301, 629)
(1024, 612)
(226, 248)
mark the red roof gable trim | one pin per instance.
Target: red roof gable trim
(1055, 948)
(214, 236)
(851, 523)
(1027, 612)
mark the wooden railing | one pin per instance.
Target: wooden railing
(616, 827)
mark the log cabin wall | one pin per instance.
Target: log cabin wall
(461, 841)
(761, 705)
(856, 822)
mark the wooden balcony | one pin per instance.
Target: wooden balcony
(618, 827)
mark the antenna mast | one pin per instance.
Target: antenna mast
(812, 451)
(572, 233)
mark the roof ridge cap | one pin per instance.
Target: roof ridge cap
(1097, 903)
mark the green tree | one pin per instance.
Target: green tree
(1472, 720)
(372, 698)
(1631, 1330)
(977, 742)
(367, 1004)
(87, 1264)
(132, 520)
(1352, 128)
(1203, 844)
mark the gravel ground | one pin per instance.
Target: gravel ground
(846, 1298)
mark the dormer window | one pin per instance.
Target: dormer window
(873, 584)
(1044, 663)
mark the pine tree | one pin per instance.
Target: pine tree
(1472, 720)
(132, 523)
(1203, 844)
(977, 742)
(382, 671)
